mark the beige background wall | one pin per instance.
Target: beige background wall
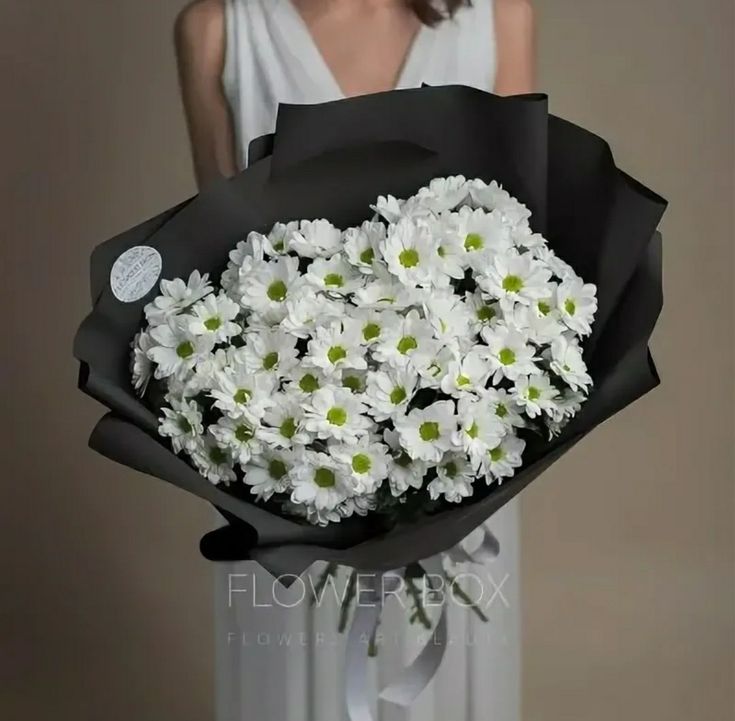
(628, 548)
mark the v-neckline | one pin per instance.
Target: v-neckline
(299, 26)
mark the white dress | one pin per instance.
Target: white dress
(285, 664)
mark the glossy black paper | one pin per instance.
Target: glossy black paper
(332, 161)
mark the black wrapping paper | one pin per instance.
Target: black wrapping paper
(333, 160)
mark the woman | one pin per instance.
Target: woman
(237, 60)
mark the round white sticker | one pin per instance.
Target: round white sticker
(135, 272)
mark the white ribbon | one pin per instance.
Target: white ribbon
(373, 591)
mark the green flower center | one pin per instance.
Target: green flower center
(473, 431)
(429, 431)
(533, 393)
(408, 258)
(325, 478)
(570, 306)
(288, 428)
(354, 383)
(407, 344)
(336, 353)
(512, 284)
(507, 357)
(473, 241)
(501, 411)
(217, 455)
(451, 469)
(463, 380)
(278, 246)
(398, 395)
(213, 324)
(485, 313)
(496, 454)
(309, 383)
(361, 463)
(185, 349)
(243, 434)
(440, 251)
(337, 416)
(277, 469)
(334, 280)
(270, 361)
(242, 396)
(367, 256)
(543, 307)
(371, 331)
(277, 291)
(184, 425)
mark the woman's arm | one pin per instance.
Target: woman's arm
(515, 33)
(200, 52)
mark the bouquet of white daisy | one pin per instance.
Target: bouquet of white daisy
(386, 367)
(366, 387)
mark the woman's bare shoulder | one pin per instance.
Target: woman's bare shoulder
(516, 14)
(200, 27)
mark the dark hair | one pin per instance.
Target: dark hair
(432, 12)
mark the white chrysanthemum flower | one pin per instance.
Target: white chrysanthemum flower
(509, 353)
(449, 316)
(432, 369)
(515, 278)
(389, 207)
(316, 239)
(371, 324)
(361, 245)
(303, 381)
(355, 381)
(556, 265)
(239, 393)
(308, 309)
(181, 423)
(525, 239)
(443, 194)
(213, 462)
(357, 506)
(215, 316)
(536, 395)
(480, 429)
(404, 472)
(333, 412)
(334, 348)
(383, 292)
(319, 481)
(467, 374)
(492, 196)
(483, 313)
(483, 235)
(389, 391)
(454, 479)
(283, 423)
(334, 275)
(268, 473)
(568, 405)
(427, 433)
(577, 303)
(176, 350)
(567, 362)
(141, 366)
(501, 462)
(272, 351)
(278, 240)
(265, 286)
(503, 406)
(452, 257)
(239, 436)
(410, 252)
(230, 278)
(203, 378)
(536, 321)
(367, 460)
(176, 295)
(410, 340)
